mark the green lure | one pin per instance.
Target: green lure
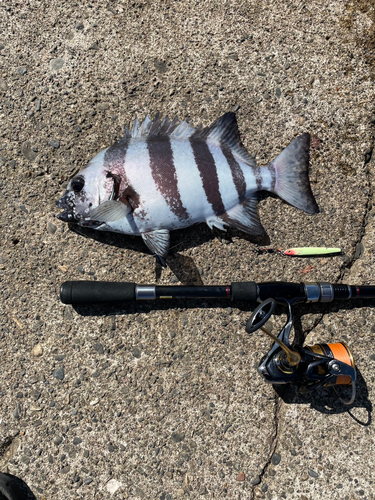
(311, 251)
(304, 251)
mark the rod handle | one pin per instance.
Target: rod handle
(245, 290)
(94, 292)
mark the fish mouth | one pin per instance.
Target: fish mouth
(68, 214)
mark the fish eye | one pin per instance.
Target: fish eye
(77, 184)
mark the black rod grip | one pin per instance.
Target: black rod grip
(95, 292)
(245, 290)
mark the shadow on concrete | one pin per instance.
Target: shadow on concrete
(325, 400)
(182, 266)
(13, 488)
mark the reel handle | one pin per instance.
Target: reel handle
(259, 316)
(257, 321)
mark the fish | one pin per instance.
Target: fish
(164, 175)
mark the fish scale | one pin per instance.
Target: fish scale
(165, 175)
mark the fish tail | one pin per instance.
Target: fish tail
(292, 178)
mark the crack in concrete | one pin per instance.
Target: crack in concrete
(256, 490)
(345, 269)
(344, 272)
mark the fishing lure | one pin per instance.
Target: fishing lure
(304, 251)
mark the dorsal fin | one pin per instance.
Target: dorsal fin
(160, 127)
(224, 131)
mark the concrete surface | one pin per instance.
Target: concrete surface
(151, 402)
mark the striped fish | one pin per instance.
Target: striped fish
(165, 175)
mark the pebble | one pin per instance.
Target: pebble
(275, 460)
(54, 143)
(79, 27)
(88, 480)
(59, 374)
(99, 348)
(3, 85)
(256, 480)
(103, 106)
(57, 440)
(51, 228)
(313, 473)
(177, 438)
(77, 440)
(136, 352)
(37, 351)
(359, 250)
(258, 493)
(160, 66)
(28, 152)
(37, 105)
(240, 477)
(22, 70)
(368, 155)
(56, 64)
(112, 486)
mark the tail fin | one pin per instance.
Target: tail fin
(292, 178)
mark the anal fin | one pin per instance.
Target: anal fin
(243, 217)
(157, 241)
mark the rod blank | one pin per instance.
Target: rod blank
(94, 292)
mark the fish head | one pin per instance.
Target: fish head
(85, 191)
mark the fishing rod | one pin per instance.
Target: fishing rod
(310, 367)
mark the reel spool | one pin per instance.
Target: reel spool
(332, 365)
(310, 367)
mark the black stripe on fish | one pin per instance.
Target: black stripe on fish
(207, 170)
(115, 155)
(258, 177)
(273, 176)
(236, 170)
(114, 163)
(164, 174)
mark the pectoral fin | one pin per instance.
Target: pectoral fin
(157, 241)
(109, 211)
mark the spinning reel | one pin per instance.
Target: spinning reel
(310, 367)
